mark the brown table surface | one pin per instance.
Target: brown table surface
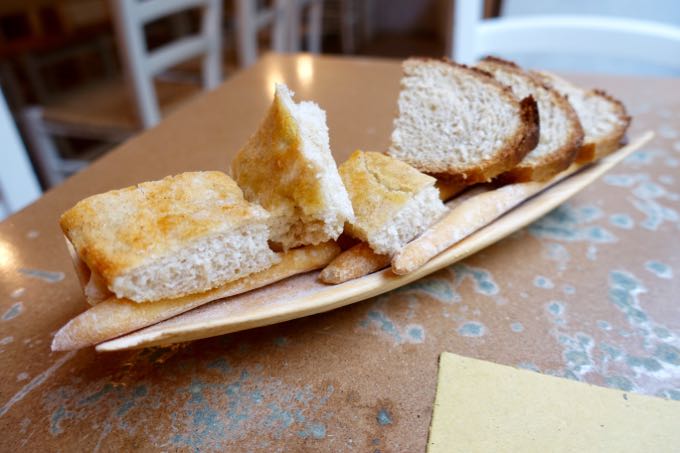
(589, 292)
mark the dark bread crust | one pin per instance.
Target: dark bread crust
(558, 159)
(594, 149)
(509, 155)
(610, 143)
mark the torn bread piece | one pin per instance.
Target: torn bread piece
(459, 123)
(393, 203)
(114, 317)
(561, 135)
(603, 117)
(288, 168)
(180, 235)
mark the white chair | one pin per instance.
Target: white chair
(18, 184)
(355, 14)
(472, 37)
(285, 18)
(298, 12)
(106, 111)
(250, 20)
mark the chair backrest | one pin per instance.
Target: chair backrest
(311, 12)
(142, 65)
(285, 19)
(645, 41)
(250, 19)
(18, 183)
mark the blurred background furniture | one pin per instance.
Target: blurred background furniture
(251, 18)
(288, 22)
(303, 20)
(61, 55)
(104, 111)
(472, 36)
(18, 183)
(38, 36)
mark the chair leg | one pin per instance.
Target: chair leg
(367, 21)
(347, 19)
(280, 26)
(42, 146)
(246, 32)
(293, 13)
(314, 30)
(212, 60)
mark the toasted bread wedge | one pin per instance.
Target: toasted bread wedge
(459, 123)
(162, 239)
(561, 135)
(393, 202)
(604, 118)
(288, 168)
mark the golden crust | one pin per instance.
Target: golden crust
(613, 141)
(272, 168)
(119, 230)
(558, 159)
(378, 186)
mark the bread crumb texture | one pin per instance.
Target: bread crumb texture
(287, 167)
(167, 230)
(393, 202)
(453, 119)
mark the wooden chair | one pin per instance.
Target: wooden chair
(18, 183)
(104, 111)
(472, 37)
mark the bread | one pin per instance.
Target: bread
(459, 123)
(392, 201)
(465, 218)
(604, 118)
(115, 317)
(180, 235)
(288, 168)
(561, 135)
(354, 262)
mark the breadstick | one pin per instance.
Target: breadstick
(353, 263)
(469, 193)
(115, 317)
(361, 260)
(471, 215)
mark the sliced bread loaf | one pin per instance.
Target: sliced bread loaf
(393, 202)
(288, 168)
(561, 135)
(604, 118)
(459, 123)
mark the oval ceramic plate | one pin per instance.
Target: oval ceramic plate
(303, 295)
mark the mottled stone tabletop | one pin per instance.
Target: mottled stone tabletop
(589, 292)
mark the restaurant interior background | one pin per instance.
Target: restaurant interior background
(66, 101)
